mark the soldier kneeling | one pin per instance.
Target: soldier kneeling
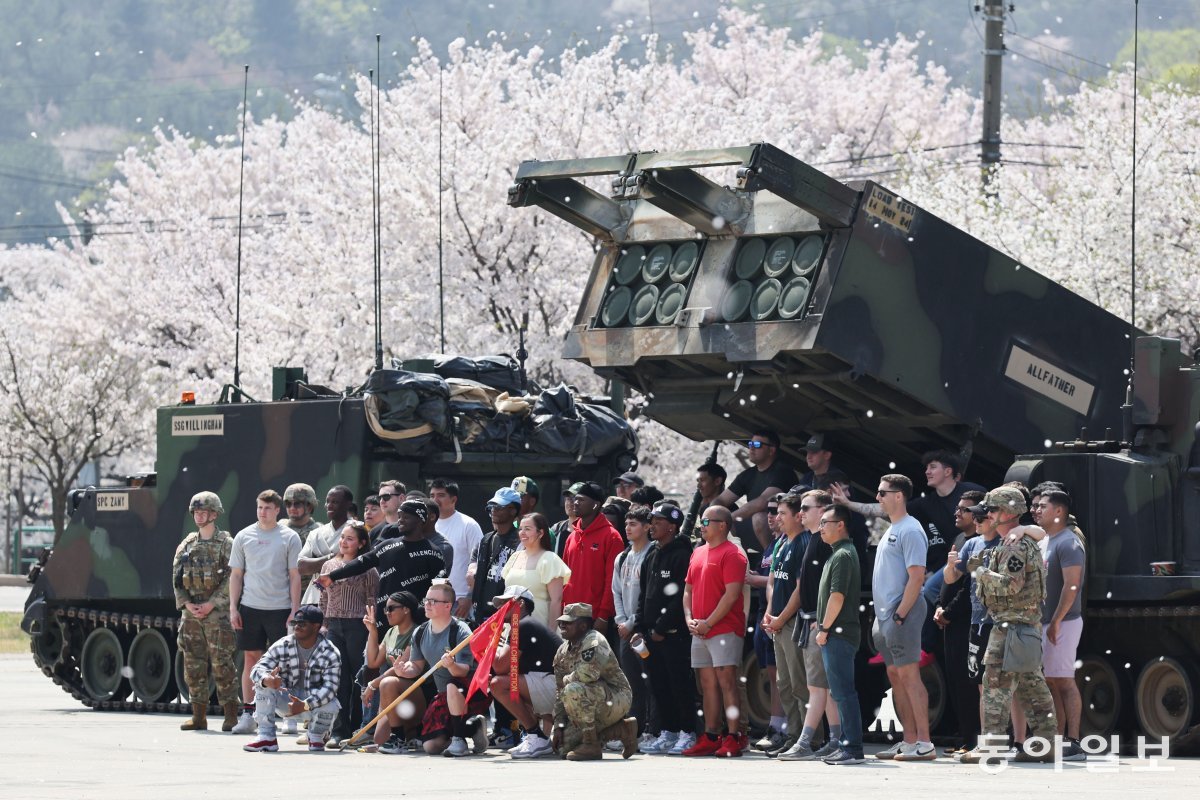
(593, 693)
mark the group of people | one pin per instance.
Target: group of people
(619, 609)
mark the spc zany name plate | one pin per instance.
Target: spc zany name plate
(890, 209)
(1048, 380)
(198, 425)
(112, 501)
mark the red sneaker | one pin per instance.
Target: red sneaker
(731, 747)
(743, 742)
(704, 746)
(926, 659)
(876, 659)
(262, 746)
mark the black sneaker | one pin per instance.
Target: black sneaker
(844, 757)
(1072, 751)
(784, 746)
(393, 746)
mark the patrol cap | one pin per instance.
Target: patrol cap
(576, 611)
(630, 477)
(526, 485)
(505, 496)
(417, 508)
(309, 613)
(206, 501)
(590, 490)
(1006, 498)
(302, 492)
(511, 593)
(669, 512)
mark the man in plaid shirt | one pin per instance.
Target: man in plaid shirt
(297, 678)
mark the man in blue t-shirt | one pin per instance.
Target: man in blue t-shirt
(899, 614)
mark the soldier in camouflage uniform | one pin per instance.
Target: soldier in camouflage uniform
(200, 575)
(300, 501)
(1010, 579)
(593, 693)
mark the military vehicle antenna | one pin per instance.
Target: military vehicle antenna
(376, 203)
(237, 319)
(1133, 208)
(441, 274)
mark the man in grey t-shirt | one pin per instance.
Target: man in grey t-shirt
(899, 614)
(1062, 609)
(264, 589)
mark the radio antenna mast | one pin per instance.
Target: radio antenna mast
(237, 319)
(374, 225)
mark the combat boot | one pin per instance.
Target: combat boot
(589, 749)
(231, 716)
(624, 731)
(199, 720)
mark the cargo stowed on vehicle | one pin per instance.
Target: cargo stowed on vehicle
(102, 612)
(791, 301)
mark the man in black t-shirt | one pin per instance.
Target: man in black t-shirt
(758, 483)
(534, 706)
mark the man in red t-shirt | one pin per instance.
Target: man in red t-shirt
(590, 553)
(712, 607)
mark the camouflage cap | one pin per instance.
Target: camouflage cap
(526, 485)
(1006, 498)
(576, 611)
(302, 492)
(206, 501)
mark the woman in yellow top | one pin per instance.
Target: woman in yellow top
(537, 568)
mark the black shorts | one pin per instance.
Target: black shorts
(977, 642)
(261, 629)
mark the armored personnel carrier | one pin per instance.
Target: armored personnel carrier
(102, 615)
(740, 289)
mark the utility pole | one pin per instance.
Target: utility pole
(993, 62)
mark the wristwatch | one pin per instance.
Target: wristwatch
(897, 618)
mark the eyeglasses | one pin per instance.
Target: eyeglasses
(295, 503)
(429, 601)
(825, 522)
(882, 492)
(706, 521)
(808, 508)
(386, 497)
(960, 511)
(753, 445)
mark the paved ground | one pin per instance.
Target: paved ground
(12, 598)
(55, 748)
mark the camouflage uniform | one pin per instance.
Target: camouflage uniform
(201, 574)
(304, 530)
(1011, 582)
(593, 692)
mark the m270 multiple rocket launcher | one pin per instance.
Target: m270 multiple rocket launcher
(794, 302)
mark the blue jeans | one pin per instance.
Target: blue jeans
(838, 655)
(269, 703)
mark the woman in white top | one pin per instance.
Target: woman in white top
(537, 568)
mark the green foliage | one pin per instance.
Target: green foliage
(1166, 56)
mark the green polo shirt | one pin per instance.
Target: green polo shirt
(842, 574)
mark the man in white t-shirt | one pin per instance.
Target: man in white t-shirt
(462, 532)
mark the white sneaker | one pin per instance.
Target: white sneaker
(245, 724)
(890, 753)
(660, 745)
(532, 746)
(457, 749)
(645, 739)
(290, 728)
(920, 751)
(686, 740)
(614, 746)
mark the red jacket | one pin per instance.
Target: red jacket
(591, 555)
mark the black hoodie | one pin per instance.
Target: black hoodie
(664, 573)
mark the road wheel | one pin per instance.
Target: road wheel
(1166, 698)
(47, 644)
(151, 666)
(935, 686)
(1106, 696)
(758, 692)
(102, 666)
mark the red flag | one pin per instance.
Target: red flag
(484, 641)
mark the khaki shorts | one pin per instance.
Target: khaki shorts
(1058, 660)
(814, 665)
(541, 691)
(722, 650)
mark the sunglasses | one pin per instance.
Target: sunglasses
(706, 521)
(882, 492)
(825, 522)
(386, 497)
(808, 508)
(772, 511)
(393, 608)
(294, 503)
(753, 445)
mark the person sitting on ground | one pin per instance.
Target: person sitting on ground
(297, 678)
(400, 730)
(593, 694)
(449, 716)
(537, 568)
(533, 707)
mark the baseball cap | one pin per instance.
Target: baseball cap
(669, 512)
(573, 489)
(309, 613)
(511, 593)
(505, 496)
(576, 611)
(589, 490)
(630, 477)
(525, 485)
(818, 442)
